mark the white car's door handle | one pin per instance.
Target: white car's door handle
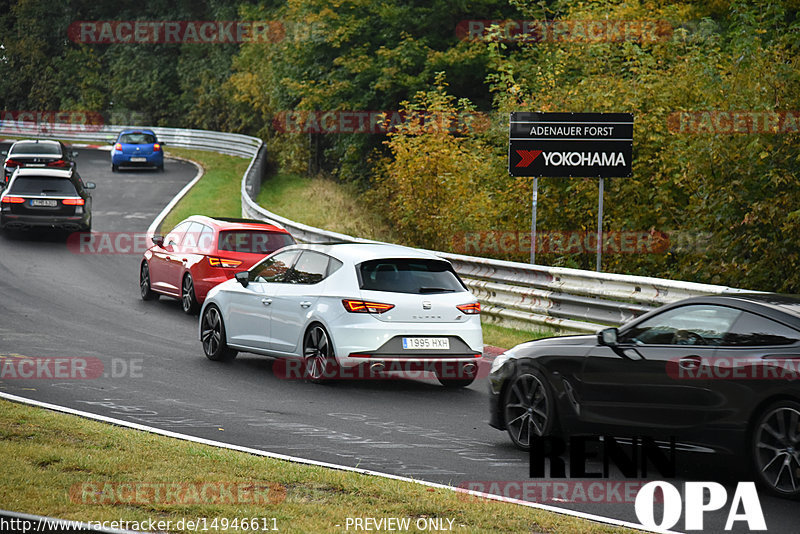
(266, 302)
(305, 304)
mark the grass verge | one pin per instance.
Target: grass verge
(217, 193)
(324, 204)
(68, 467)
(500, 336)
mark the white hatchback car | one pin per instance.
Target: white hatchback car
(336, 310)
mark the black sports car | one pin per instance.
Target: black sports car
(717, 372)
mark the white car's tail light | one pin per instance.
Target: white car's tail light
(473, 308)
(363, 306)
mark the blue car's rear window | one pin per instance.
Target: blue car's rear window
(137, 139)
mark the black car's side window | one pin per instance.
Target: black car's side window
(309, 269)
(698, 324)
(751, 330)
(275, 268)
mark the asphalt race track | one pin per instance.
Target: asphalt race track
(57, 302)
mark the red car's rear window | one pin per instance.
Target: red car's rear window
(253, 241)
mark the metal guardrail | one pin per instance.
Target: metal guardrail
(225, 143)
(512, 294)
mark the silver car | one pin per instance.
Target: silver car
(348, 310)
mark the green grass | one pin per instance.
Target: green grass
(323, 203)
(217, 193)
(46, 454)
(500, 336)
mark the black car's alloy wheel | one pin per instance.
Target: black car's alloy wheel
(188, 299)
(144, 283)
(319, 362)
(212, 335)
(776, 449)
(528, 408)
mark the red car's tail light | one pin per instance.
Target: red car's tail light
(58, 163)
(473, 308)
(118, 146)
(222, 262)
(363, 306)
(74, 202)
(13, 163)
(156, 147)
(13, 200)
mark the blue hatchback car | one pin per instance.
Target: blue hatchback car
(137, 148)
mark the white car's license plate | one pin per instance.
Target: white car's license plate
(42, 203)
(422, 343)
(138, 160)
(34, 164)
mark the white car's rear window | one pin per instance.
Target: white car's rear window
(409, 276)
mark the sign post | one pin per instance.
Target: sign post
(568, 145)
(533, 218)
(600, 225)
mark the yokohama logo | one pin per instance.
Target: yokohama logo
(575, 159)
(572, 159)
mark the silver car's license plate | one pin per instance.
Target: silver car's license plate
(138, 160)
(426, 343)
(44, 203)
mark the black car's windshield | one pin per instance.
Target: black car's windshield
(42, 185)
(23, 149)
(137, 138)
(409, 276)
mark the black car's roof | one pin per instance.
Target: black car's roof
(787, 304)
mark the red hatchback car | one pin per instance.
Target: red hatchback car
(202, 252)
